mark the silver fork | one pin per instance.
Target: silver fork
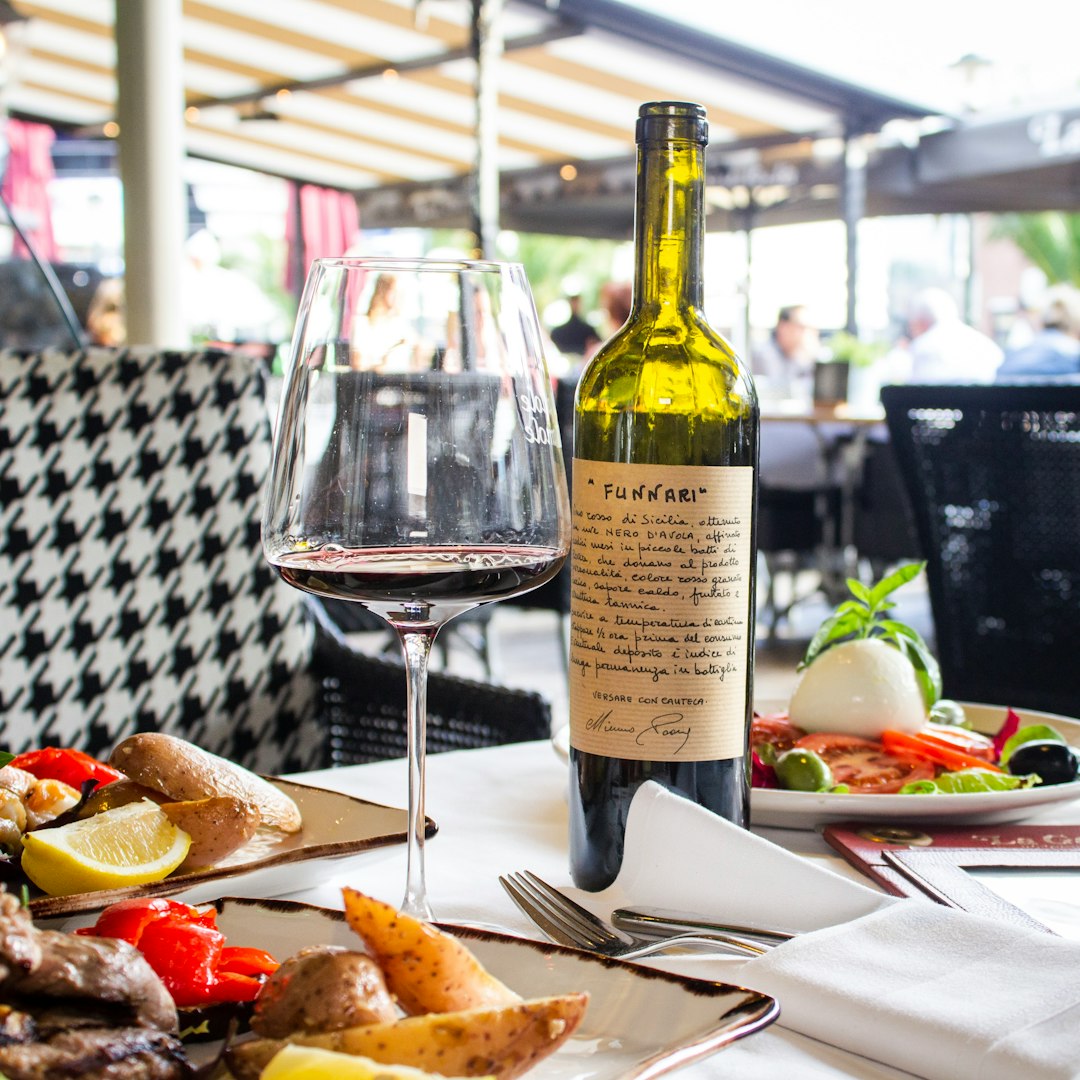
(568, 923)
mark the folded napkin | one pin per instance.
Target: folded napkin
(680, 856)
(931, 990)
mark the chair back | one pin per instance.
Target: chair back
(134, 594)
(993, 473)
(364, 707)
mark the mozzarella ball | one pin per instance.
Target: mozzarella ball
(859, 688)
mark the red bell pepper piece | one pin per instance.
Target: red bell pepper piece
(185, 956)
(73, 767)
(127, 919)
(231, 986)
(242, 960)
(187, 950)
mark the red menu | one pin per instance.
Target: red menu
(932, 862)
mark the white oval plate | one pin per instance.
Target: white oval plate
(640, 1022)
(808, 810)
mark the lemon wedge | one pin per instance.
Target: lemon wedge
(294, 1062)
(131, 845)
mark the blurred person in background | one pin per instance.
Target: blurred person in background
(576, 336)
(616, 298)
(942, 347)
(783, 365)
(382, 338)
(1055, 348)
(105, 323)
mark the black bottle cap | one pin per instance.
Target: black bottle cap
(662, 121)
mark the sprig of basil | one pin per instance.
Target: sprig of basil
(866, 615)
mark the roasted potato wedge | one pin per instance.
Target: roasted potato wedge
(503, 1041)
(426, 970)
(310, 1061)
(217, 827)
(185, 772)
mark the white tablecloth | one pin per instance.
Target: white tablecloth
(505, 809)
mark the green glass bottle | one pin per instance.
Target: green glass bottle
(664, 547)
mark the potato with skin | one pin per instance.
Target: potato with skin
(426, 970)
(217, 827)
(185, 772)
(322, 988)
(503, 1042)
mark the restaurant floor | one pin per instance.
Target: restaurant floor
(526, 646)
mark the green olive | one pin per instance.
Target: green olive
(803, 770)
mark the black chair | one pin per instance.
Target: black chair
(364, 709)
(994, 478)
(883, 529)
(135, 595)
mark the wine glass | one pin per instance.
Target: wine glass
(416, 467)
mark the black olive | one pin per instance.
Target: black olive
(1054, 762)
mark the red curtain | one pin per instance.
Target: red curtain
(328, 226)
(26, 186)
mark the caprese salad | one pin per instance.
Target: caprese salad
(867, 717)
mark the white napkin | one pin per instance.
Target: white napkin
(937, 992)
(680, 856)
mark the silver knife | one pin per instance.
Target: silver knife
(658, 923)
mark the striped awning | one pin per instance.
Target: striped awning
(379, 95)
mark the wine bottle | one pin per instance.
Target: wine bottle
(664, 544)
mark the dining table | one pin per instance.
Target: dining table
(501, 809)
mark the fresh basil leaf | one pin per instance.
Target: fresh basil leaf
(891, 582)
(911, 644)
(834, 628)
(5, 758)
(859, 590)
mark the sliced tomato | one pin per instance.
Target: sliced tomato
(971, 742)
(866, 767)
(776, 730)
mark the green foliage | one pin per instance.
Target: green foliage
(1050, 240)
(847, 347)
(549, 261)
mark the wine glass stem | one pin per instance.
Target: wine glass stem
(417, 649)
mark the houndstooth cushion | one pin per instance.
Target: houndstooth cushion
(133, 591)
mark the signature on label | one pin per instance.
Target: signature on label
(672, 728)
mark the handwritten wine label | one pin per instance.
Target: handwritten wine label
(660, 629)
